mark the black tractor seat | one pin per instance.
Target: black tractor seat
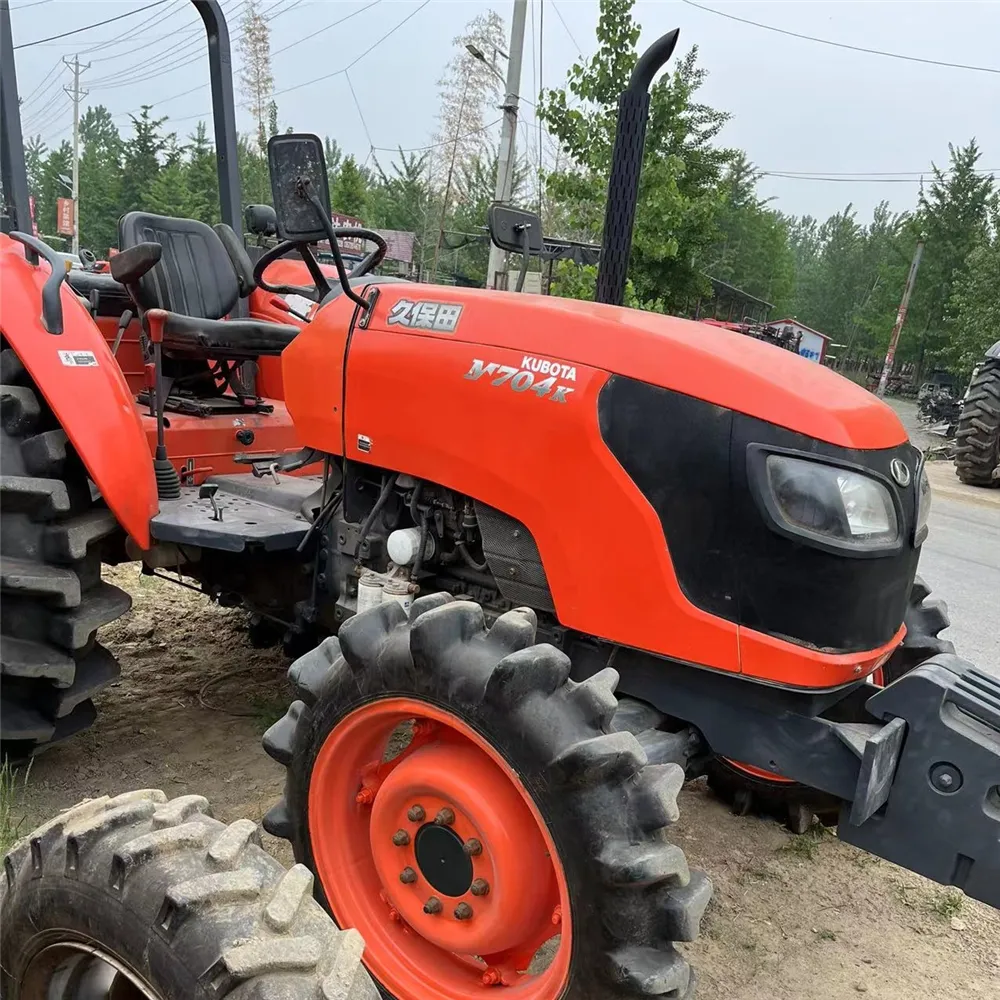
(200, 277)
(218, 339)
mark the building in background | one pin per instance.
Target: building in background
(812, 344)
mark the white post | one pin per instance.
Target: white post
(505, 159)
(77, 95)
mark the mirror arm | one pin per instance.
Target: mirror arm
(315, 271)
(335, 250)
(525, 254)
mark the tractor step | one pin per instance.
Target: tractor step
(232, 512)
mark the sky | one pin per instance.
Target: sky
(797, 106)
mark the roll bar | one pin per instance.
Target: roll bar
(220, 68)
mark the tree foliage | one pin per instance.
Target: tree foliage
(700, 214)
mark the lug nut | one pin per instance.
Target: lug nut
(445, 817)
(432, 906)
(479, 887)
(365, 797)
(491, 977)
(463, 912)
(401, 838)
(416, 814)
(557, 915)
(394, 915)
(472, 848)
(407, 876)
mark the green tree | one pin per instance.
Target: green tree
(140, 159)
(57, 165)
(952, 215)
(169, 193)
(973, 318)
(679, 192)
(202, 177)
(349, 190)
(255, 181)
(100, 180)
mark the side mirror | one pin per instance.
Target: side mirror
(260, 220)
(509, 227)
(299, 187)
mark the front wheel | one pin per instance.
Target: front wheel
(138, 898)
(470, 810)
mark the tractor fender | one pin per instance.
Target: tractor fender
(82, 383)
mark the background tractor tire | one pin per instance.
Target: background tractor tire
(191, 908)
(605, 807)
(52, 534)
(795, 804)
(977, 452)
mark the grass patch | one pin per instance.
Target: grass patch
(11, 816)
(947, 904)
(825, 935)
(806, 845)
(266, 710)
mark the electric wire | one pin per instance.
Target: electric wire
(319, 31)
(845, 45)
(562, 21)
(89, 27)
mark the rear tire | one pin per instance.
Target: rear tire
(604, 806)
(977, 454)
(190, 908)
(52, 534)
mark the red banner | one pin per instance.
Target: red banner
(64, 216)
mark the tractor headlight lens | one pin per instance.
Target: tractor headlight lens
(923, 507)
(834, 505)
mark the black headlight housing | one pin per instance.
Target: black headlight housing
(835, 506)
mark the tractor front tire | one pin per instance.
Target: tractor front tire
(977, 454)
(137, 896)
(797, 805)
(517, 764)
(51, 537)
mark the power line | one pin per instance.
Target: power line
(846, 180)
(361, 114)
(90, 27)
(437, 145)
(357, 59)
(562, 21)
(35, 95)
(313, 34)
(844, 45)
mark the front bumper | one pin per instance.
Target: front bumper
(928, 790)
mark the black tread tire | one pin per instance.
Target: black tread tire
(795, 804)
(52, 534)
(194, 907)
(977, 438)
(607, 808)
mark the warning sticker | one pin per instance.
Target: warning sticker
(78, 359)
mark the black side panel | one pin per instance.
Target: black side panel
(676, 450)
(689, 459)
(790, 589)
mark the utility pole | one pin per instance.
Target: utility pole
(505, 159)
(76, 94)
(890, 354)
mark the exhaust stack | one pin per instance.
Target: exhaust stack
(626, 166)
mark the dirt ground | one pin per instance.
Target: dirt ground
(792, 917)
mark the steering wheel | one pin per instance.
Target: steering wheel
(322, 285)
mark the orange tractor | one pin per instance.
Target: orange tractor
(566, 555)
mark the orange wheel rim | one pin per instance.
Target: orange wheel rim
(439, 857)
(757, 772)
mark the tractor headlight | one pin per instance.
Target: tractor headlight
(923, 506)
(830, 506)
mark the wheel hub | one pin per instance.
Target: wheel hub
(442, 859)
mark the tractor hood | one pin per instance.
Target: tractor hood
(697, 359)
